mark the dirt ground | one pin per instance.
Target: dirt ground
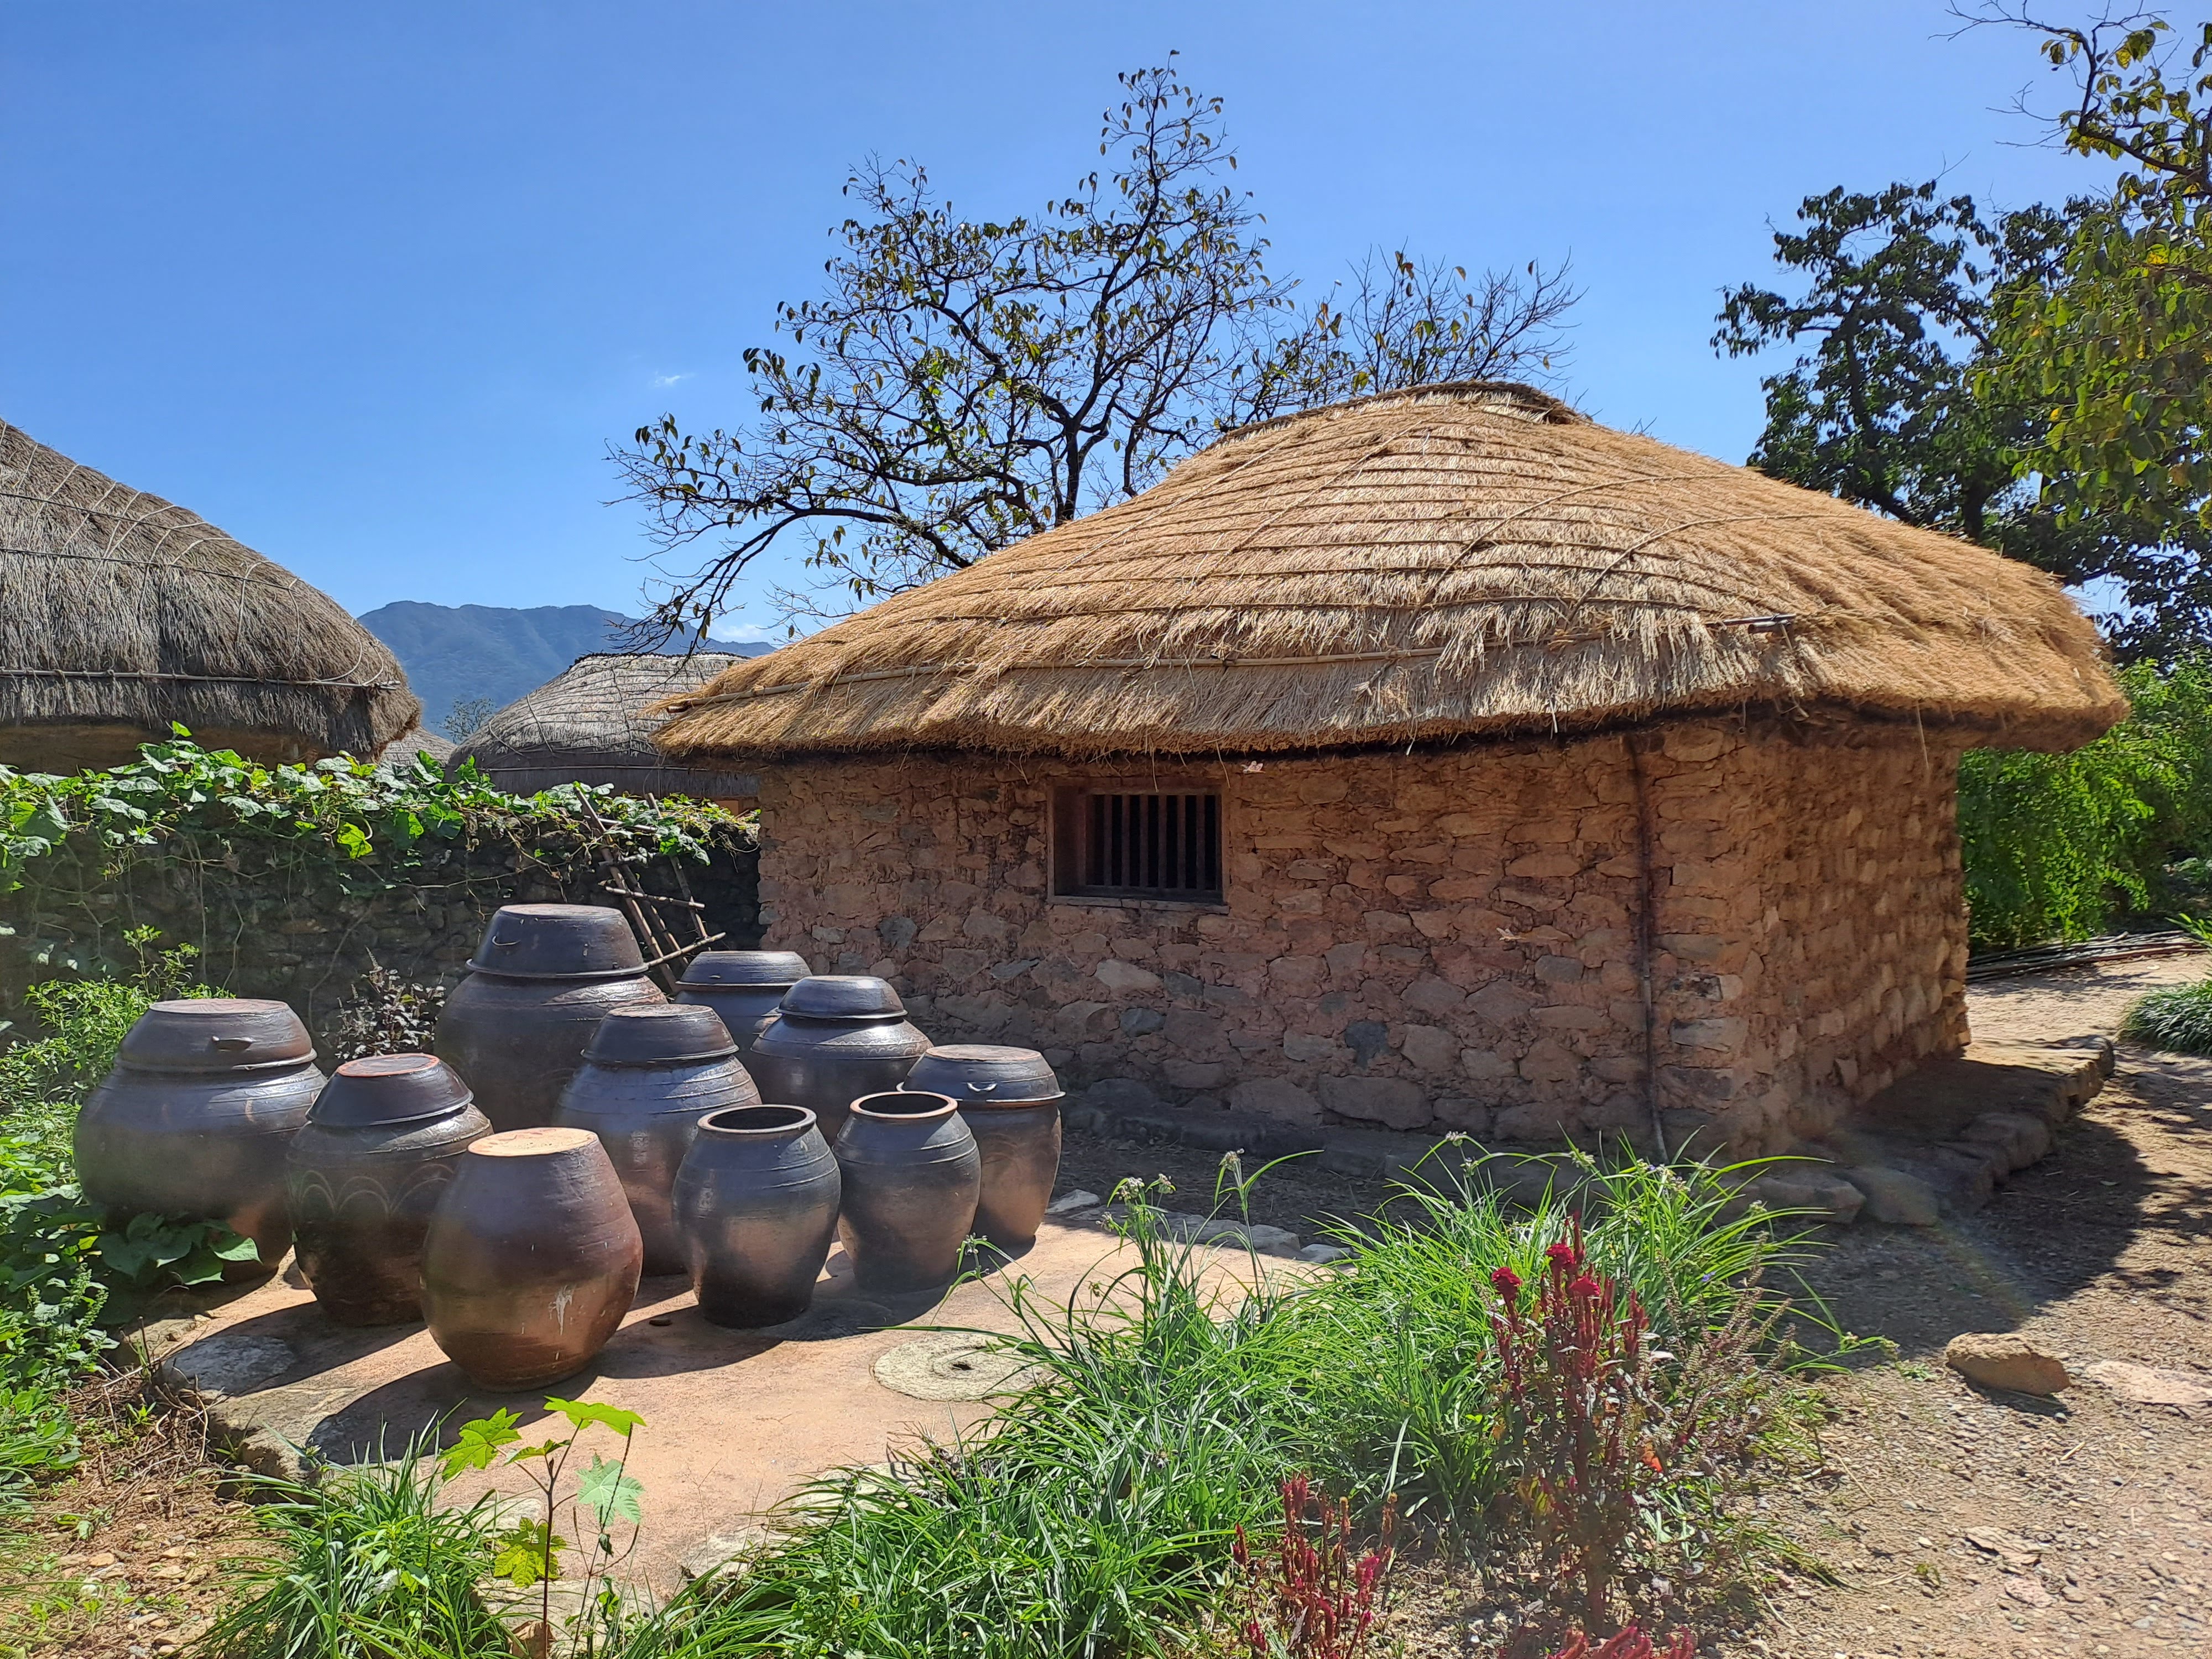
(1948, 1520)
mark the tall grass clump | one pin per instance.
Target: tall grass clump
(1098, 1513)
(2179, 1017)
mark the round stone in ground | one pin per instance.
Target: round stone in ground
(952, 1365)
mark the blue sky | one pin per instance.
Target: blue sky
(373, 288)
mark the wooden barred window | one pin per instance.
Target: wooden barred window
(1149, 844)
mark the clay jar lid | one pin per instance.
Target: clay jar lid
(558, 941)
(215, 1034)
(985, 1074)
(387, 1088)
(757, 1123)
(781, 969)
(659, 1034)
(852, 999)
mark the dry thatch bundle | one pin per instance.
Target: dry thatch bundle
(1458, 559)
(125, 612)
(588, 725)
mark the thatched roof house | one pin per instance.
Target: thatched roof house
(588, 725)
(125, 612)
(1440, 758)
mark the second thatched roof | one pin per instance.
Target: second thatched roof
(588, 725)
(121, 613)
(1455, 560)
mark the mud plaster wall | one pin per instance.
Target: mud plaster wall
(1440, 940)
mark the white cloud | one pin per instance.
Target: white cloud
(669, 380)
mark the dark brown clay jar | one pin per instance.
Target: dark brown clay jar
(756, 1204)
(834, 1037)
(194, 1121)
(531, 1259)
(365, 1173)
(743, 987)
(911, 1177)
(649, 1076)
(543, 978)
(1010, 1100)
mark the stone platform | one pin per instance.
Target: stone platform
(736, 1420)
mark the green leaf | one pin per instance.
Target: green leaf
(479, 1443)
(585, 1413)
(609, 1493)
(527, 1553)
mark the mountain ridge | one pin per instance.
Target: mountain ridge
(471, 654)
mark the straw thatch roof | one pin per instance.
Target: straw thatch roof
(123, 613)
(589, 725)
(401, 750)
(1455, 560)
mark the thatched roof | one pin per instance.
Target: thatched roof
(589, 725)
(1456, 560)
(401, 749)
(123, 612)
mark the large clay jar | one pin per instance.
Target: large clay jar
(543, 978)
(757, 1203)
(649, 1075)
(532, 1258)
(743, 987)
(1010, 1100)
(911, 1177)
(834, 1037)
(366, 1172)
(194, 1119)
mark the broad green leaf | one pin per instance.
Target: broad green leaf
(527, 1553)
(609, 1493)
(585, 1413)
(479, 1443)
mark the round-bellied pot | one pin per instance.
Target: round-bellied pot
(834, 1037)
(364, 1174)
(194, 1119)
(756, 1205)
(651, 1073)
(531, 1259)
(743, 987)
(1010, 1100)
(911, 1177)
(545, 976)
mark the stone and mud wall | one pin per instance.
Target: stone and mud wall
(1447, 940)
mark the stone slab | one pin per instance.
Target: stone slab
(737, 1420)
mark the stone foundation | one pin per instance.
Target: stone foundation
(1449, 939)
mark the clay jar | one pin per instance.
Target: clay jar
(834, 1037)
(756, 1204)
(194, 1118)
(911, 1177)
(531, 1259)
(743, 987)
(650, 1074)
(1010, 1100)
(543, 978)
(363, 1175)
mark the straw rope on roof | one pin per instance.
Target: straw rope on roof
(124, 613)
(1454, 560)
(588, 725)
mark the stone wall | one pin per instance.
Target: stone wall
(1446, 939)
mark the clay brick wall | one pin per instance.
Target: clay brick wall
(1446, 939)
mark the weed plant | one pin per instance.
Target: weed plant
(2177, 1018)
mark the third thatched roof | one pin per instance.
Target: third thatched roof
(1454, 560)
(588, 725)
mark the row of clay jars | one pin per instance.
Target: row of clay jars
(834, 1037)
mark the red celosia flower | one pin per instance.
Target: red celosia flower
(1508, 1284)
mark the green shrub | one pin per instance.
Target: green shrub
(2057, 846)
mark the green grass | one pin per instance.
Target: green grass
(2178, 1020)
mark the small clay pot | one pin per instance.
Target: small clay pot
(911, 1176)
(1010, 1100)
(743, 987)
(834, 1037)
(532, 1260)
(364, 1174)
(756, 1204)
(651, 1073)
(194, 1119)
(545, 976)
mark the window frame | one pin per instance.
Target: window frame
(1068, 840)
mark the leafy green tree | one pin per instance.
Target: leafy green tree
(961, 384)
(2115, 349)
